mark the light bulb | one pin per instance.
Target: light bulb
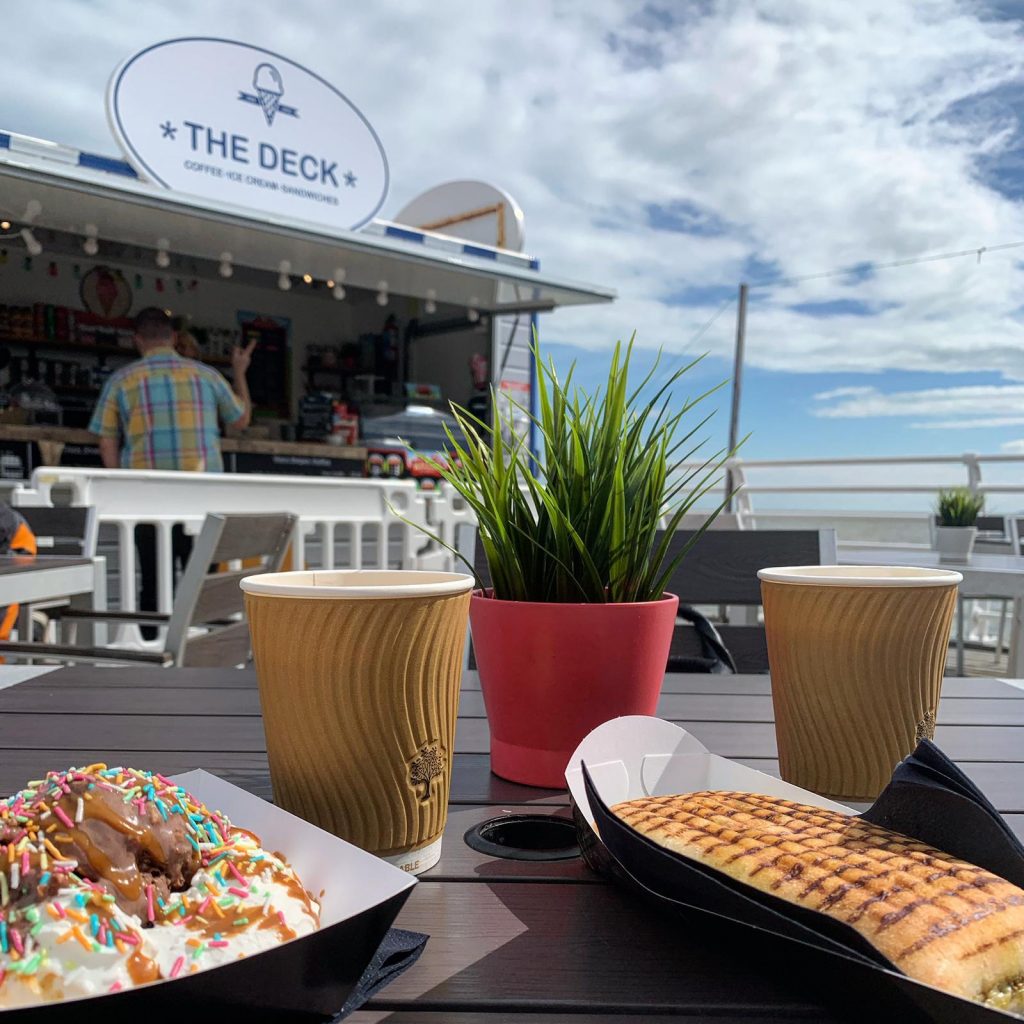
(225, 269)
(430, 306)
(339, 273)
(284, 282)
(5, 225)
(31, 242)
(91, 245)
(308, 278)
(338, 291)
(32, 209)
(382, 298)
(163, 257)
(472, 315)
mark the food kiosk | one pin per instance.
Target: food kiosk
(355, 324)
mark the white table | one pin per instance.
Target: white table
(27, 580)
(985, 576)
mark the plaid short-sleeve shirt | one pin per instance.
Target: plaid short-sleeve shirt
(165, 410)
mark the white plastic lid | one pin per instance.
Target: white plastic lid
(358, 584)
(861, 576)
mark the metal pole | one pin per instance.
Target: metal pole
(737, 383)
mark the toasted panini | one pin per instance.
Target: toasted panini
(938, 919)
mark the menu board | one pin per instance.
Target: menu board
(513, 398)
(268, 373)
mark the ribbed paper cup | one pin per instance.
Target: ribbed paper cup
(857, 655)
(359, 677)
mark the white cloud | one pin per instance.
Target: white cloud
(802, 135)
(958, 408)
(1013, 447)
(986, 422)
(848, 392)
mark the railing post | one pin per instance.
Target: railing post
(738, 479)
(973, 472)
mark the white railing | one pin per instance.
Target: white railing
(347, 522)
(848, 475)
(343, 522)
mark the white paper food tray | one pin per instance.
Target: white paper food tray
(636, 756)
(308, 978)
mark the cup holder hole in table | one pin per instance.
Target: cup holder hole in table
(525, 837)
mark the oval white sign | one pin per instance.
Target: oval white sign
(241, 125)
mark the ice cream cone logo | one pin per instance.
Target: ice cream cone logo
(267, 83)
(269, 88)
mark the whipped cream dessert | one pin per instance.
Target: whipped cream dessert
(115, 877)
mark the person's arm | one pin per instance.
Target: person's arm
(105, 425)
(240, 360)
(109, 454)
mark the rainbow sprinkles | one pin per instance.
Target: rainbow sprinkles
(115, 877)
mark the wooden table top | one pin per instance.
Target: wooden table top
(542, 943)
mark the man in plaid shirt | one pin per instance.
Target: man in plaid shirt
(164, 412)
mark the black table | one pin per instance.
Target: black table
(540, 943)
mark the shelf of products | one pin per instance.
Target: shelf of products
(87, 349)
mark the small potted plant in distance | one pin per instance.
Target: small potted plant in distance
(577, 625)
(957, 511)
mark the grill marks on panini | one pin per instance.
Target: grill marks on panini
(831, 849)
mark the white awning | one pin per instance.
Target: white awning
(74, 191)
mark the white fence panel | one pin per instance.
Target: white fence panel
(343, 522)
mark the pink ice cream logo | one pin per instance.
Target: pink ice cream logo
(269, 88)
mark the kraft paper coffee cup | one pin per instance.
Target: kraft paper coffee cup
(359, 675)
(857, 655)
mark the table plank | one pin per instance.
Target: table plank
(132, 676)
(474, 783)
(706, 707)
(197, 733)
(142, 699)
(753, 739)
(46, 698)
(248, 770)
(486, 952)
(499, 1016)
(76, 677)
(760, 685)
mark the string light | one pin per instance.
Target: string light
(382, 293)
(5, 225)
(284, 282)
(430, 306)
(91, 245)
(163, 257)
(225, 269)
(308, 278)
(471, 314)
(338, 290)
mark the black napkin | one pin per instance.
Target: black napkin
(395, 955)
(929, 798)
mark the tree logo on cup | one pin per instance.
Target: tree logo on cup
(425, 768)
(925, 728)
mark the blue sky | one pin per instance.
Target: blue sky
(671, 157)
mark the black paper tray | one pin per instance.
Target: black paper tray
(929, 799)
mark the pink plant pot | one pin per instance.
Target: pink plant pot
(551, 673)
